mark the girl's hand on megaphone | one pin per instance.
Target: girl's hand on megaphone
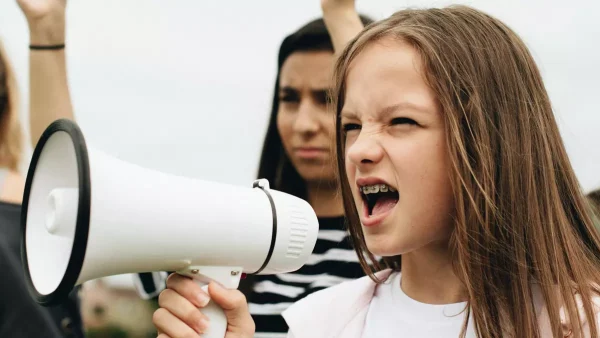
(178, 315)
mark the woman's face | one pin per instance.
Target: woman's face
(396, 158)
(305, 125)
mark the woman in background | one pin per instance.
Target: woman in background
(298, 159)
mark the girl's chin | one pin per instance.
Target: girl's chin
(381, 247)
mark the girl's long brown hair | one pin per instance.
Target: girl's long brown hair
(521, 218)
(11, 136)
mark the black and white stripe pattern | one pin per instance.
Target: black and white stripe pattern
(333, 261)
(150, 284)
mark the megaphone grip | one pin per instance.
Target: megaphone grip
(228, 277)
(217, 320)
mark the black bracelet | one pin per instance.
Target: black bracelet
(47, 47)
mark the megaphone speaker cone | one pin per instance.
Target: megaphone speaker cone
(52, 263)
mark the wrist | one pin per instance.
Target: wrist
(339, 12)
(340, 19)
(47, 32)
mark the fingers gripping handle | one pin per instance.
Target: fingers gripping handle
(229, 278)
(217, 321)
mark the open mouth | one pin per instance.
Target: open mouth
(379, 198)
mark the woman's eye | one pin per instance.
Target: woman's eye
(289, 98)
(321, 97)
(403, 120)
(350, 126)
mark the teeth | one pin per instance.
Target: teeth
(376, 188)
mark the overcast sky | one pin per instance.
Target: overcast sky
(185, 86)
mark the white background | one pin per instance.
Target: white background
(185, 86)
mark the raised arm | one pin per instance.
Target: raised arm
(49, 97)
(342, 21)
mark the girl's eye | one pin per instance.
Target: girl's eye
(350, 126)
(403, 120)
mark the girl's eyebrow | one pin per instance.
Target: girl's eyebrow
(389, 110)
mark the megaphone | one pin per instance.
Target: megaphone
(88, 215)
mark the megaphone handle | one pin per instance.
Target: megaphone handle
(217, 321)
(228, 277)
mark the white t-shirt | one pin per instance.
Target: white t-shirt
(393, 314)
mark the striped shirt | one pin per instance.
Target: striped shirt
(333, 261)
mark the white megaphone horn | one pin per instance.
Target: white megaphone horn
(88, 215)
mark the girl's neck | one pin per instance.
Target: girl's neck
(428, 276)
(325, 199)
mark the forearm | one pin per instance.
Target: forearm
(343, 25)
(49, 97)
